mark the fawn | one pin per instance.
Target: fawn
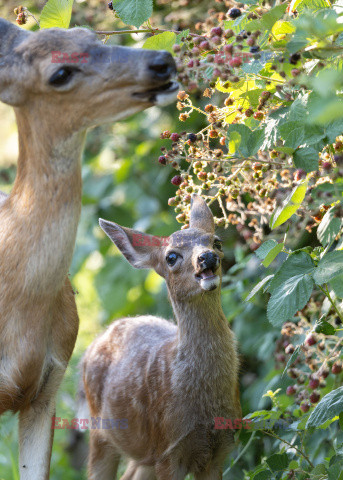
(167, 382)
(55, 102)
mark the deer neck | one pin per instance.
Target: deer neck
(46, 199)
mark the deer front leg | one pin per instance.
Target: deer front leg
(103, 458)
(35, 430)
(35, 440)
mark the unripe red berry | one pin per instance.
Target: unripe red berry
(258, 115)
(216, 32)
(228, 34)
(205, 45)
(314, 397)
(235, 62)
(325, 372)
(311, 339)
(213, 134)
(313, 383)
(162, 160)
(172, 202)
(202, 176)
(251, 41)
(336, 368)
(327, 166)
(174, 137)
(216, 40)
(305, 406)
(290, 390)
(295, 72)
(249, 112)
(176, 48)
(177, 180)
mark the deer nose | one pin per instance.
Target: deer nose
(163, 66)
(208, 260)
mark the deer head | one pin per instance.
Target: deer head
(71, 75)
(189, 260)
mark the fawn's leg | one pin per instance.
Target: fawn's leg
(137, 472)
(103, 458)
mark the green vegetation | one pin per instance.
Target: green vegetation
(257, 130)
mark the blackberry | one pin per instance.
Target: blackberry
(234, 13)
(254, 49)
(110, 5)
(192, 137)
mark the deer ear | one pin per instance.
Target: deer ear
(139, 249)
(11, 63)
(201, 216)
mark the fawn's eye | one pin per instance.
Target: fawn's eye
(217, 244)
(171, 258)
(62, 76)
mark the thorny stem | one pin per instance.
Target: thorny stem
(290, 445)
(327, 294)
(143, 30)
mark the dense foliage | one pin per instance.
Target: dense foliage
(257, 130)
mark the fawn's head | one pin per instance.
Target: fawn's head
(78, 79)
(189, 260)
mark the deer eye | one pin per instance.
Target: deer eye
(217, 244)
(171, 258)
(62, 76)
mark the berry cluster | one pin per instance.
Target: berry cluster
(246, 189)
(319, 358)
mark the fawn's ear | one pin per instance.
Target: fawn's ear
(201, 216)
(12, 70)
(139, 249)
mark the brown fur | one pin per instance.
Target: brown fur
(168, 381)
(38, 220)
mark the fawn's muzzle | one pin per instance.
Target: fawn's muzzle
(208, 261)
(163, 67)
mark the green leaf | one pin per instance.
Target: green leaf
(306, 158)
(328, 228)
(234, 142)
(133, 12)
(278, 461)
(329, 267)
(274, 252)
(299, 263)
(265, 248)
(337, 286)
(258, 287)
(329, 407)
(289, 206)
(56, 13)
(162, 41)
(322, 326)
(288, 298)
(292, 359)
(293, 133)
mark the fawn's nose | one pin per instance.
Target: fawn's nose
(208, 260)
(162, 67)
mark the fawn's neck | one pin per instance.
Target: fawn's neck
(202, 324)
(46, 200)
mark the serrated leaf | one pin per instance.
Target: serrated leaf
(288, 298)
(328, 228)
(278, 461)
(293, 133)
(329, 407)
(322, 326)
(234, 142)
(162, 41)
(265, 248)
(258, 287)
(56, 13)
(289, 206)
(306, 158)
(299, 263)
(337, 286)
(272, 254)
(133, 12)
(329, 267)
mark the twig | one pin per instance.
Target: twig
(291, 445)
(241, 453)
(143, 30)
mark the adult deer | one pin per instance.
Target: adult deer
(55, 103)
(169, 382)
